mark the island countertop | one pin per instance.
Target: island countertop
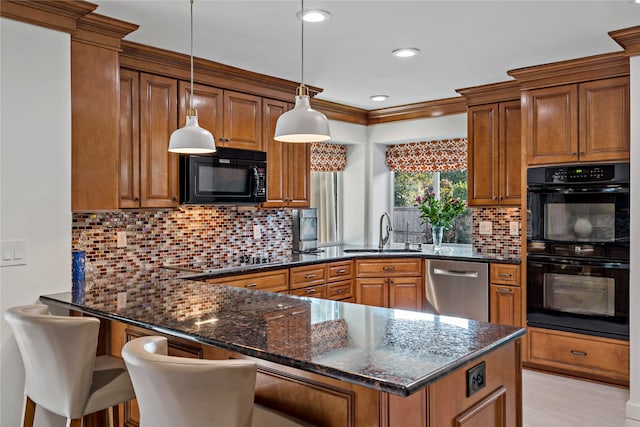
(396, 351)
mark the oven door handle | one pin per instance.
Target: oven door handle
(566, 189)
(538, 261)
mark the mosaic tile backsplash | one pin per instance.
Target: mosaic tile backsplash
(214, 236)
(500, 242)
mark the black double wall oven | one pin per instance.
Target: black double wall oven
(578, 249)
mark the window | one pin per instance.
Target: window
(407, 223)
(326, 196)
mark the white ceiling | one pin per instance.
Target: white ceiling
(462, 43)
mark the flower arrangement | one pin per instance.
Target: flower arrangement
(440, 212)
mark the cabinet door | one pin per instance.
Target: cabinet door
(551, 124)
(207, 101)
(505, 306)
(604, 120)
(276, 158)
(299, 175)
(510, 153)
(242, 121)
(405, 293)
(158, 119)
(129, 140)
(373, 291)
(483, 154)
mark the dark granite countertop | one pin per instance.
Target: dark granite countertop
(396, 351)
(204, 269)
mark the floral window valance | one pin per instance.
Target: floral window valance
(428, 156)
(328, 157)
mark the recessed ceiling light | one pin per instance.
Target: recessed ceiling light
(405, 52)
(314, 15)
(379, 98)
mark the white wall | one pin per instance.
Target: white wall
(35, 181)
(633, 405)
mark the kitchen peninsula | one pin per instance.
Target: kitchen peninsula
(328, 362)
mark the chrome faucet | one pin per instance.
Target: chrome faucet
(383, 240)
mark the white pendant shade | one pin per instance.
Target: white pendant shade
(192, 139)
(302, 124)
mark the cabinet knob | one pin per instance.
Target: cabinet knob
(494, 198)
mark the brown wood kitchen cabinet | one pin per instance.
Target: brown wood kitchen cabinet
(148, 116)
(505, 296)
(578, 122)
(271, 281)
(494, 154)
(340, 285)
(392, 282)
(234, 118)
(288, 165)
(308, 281)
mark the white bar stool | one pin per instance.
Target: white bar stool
(178, 391)
(62, 372)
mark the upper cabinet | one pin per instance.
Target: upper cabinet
(578, 122)
(288, 165)
(234, 118)
(495, 149)
(148, 115)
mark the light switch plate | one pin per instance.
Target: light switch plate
(485, 228)
(514, 228)
(14, 252)
(121, 239)
(257, 233)
(121, 302)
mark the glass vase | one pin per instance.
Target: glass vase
(437, 233)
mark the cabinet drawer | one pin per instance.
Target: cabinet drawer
(339, 270)
(273, 281)
(507, 274)
(340, 290)
(593, 356)
(319, 291)
(301, 277)
(389, 267)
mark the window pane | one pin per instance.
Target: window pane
(325, 196)
(407, 223)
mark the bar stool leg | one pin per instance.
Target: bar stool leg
(29, 413)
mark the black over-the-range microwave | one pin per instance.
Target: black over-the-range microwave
(227, 176)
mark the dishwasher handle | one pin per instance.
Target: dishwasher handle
(456, 273)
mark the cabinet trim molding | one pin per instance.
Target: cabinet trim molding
(628, 38)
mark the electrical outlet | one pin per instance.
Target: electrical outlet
(514, 228)
(257, 233)
(121, 302)
(476, 378)
(121, 239)
(485, 227)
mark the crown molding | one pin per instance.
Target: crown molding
(102, 31)
(495, 92)
(595, 67)
(419, 110)
(61, 15)
(629, 39)
(341, 112)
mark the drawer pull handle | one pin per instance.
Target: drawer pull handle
(310, 291)
(341, 291)
(342, 271)
(250, 285)
(505, 290)
(388, 268)
(504, 274)
(309, 276)
(578, 353)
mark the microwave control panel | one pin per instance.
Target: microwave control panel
(261, 181)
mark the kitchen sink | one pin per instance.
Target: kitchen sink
(383, 251)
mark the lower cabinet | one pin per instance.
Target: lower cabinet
(505, 295)
(391, 283)
(585, 356)
(271, 281)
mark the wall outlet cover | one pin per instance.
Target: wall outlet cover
(476, 378)
(485, 227)
(514, 228)
(121, 301)
(121, 239)
(257, 233)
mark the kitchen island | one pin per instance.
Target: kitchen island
(328, 362)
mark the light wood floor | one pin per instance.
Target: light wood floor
(555, 401)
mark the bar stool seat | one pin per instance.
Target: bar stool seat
(62, 372)
(178, 391)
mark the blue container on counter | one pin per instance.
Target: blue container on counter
(78, 260)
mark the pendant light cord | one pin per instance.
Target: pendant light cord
(302, 45)
(191, 54)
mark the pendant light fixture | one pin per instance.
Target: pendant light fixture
(303, 123)
(191, 139)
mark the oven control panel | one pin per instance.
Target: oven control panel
(587, 173)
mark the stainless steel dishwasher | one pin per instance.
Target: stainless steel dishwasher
(457, 288)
